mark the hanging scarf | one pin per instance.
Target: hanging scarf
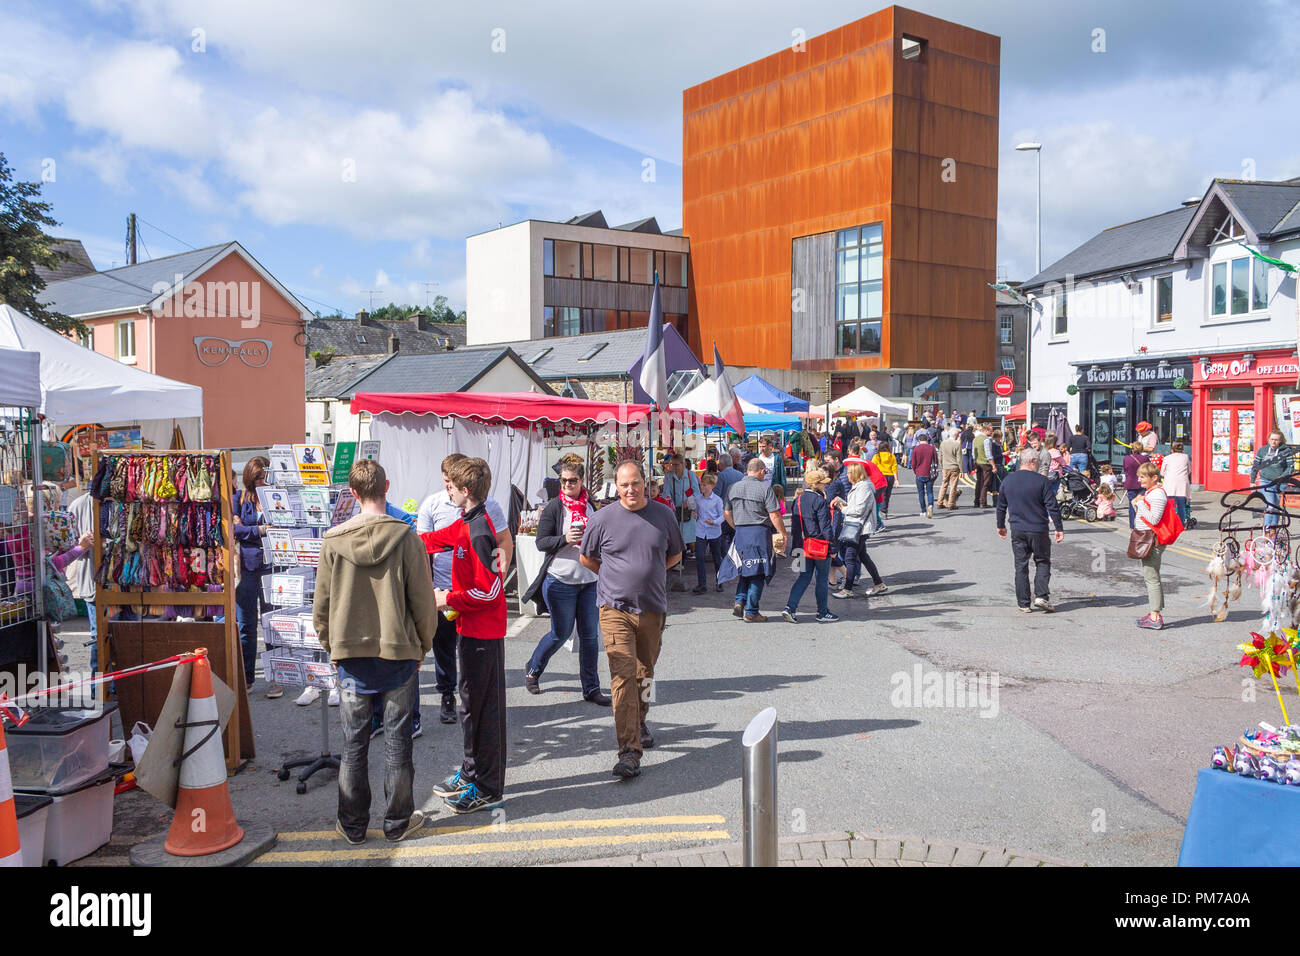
(577, 507)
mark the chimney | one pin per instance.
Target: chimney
(362, 316)
(421, 320)
(393, 344)
(322, 358)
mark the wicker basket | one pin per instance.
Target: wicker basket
(1281, 756)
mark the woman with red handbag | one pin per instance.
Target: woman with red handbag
(812, 535)
(1156, 526)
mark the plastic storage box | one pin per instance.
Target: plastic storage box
(80, 819)
(33, 811)
(59, 748)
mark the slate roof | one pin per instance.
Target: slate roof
(334, 380)
(345, 335)
(649, 224)
(438, 372)
(78, 264)
(594, 219)
(1265, 205)
(561, 356)
(124, 288)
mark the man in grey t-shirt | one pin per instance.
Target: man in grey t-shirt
(750, 506)
(631, 545)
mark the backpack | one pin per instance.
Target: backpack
(60, 605)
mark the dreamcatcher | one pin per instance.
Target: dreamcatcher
(1225, 570)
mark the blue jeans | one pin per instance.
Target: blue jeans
(570, 603)
(749, 591)
(713, 546)
(822, 589)
(1271, 495)
(399, 770)
(249, 605)
(1079, 461)
(925, 491)
(1182, 508)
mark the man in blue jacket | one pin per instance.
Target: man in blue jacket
(1028, 497)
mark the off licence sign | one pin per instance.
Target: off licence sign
(1003, 385)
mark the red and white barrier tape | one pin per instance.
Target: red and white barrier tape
(16, 703)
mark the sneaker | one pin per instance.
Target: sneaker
(355, 841)
(738, 610)
(1027, 609)
(878, 589)
(472, 799)
(929, 512)
(417, 730)
(647, 741)
(827, 618)
(530, 683)
(309, 696)
(755, 619)
(415, 823)
(1042, 605)
(453, 786)
(1150, 623)
(447, 714)
(699, 589)
(628, 766)
(843, 593)
(334, 697)
(274, 690)
(788, 617)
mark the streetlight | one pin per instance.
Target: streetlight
(1037, 150)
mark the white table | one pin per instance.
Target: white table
(528, 564)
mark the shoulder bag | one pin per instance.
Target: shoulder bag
(814, 548)
(1141, 540)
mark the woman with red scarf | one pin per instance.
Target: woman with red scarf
(565, 587)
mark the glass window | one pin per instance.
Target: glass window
(869, 337)
(1244, 393)
(637, 320)
(849, 237)
(623, 274)
(566, 259)
(1240, 286)
(675, 270)
(605, 266)
(874, 254)
(846, 265)
(1164, 300)
(848, 339)
(588, 261)
(1004, 329)
(570, 321)
(873, 299)
(859, 289)
(548, 257)
(640, 262)
(1061, 321)
(126, 341)
(1259, 287)
(548, 324)
(1219, 289)
(979, 378)
(1008, 363)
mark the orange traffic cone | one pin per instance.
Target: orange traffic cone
(10, 854)
(205, 819)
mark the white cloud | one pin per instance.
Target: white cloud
(106, 161)
(191, 186)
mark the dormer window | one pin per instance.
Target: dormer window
(1229, 230)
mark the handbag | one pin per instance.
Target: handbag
(1140, 543)
(814, 548)
(56, 596)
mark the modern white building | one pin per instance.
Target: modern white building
(538, 279)
(1135, 323)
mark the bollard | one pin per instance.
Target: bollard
(758, 782)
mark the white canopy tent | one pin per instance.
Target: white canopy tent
(864, 401)
(20, 379)
(79, 386)
(703, 399)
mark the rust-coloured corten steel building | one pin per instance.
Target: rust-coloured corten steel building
(841, 200)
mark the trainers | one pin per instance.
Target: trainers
(334, 697)
(415, 823)
(1150, 623)
(843, 593)
(453, 786)
(788, 617)
(929, 512)
(738, 610)
(1026, 609)
(530, 683)
(417, 730)
(1042, 605)
(827, 618)
(472, 799)
(628, 766)
(448, 712)
(647, 741)
(274, 690)
(878, 589)
(309, 696)
(355, 841)
(755, 619)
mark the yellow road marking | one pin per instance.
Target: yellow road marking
(419, 850)
(529, 827)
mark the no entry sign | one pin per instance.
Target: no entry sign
(1003, 385)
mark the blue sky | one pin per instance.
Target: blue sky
(352, 147)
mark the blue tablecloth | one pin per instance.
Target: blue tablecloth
(1238, 821)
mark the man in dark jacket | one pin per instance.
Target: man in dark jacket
(924, 455)
(1028, 497)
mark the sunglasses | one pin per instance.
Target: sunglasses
(214, 350)
(570, 481)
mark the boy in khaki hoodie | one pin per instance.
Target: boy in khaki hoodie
(374, 612)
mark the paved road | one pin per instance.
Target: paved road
(1087, 754)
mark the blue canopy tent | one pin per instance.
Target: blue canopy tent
(764, 394)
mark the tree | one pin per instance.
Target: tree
(441, 312)
(24, 245)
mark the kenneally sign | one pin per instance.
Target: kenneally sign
(1135, 374)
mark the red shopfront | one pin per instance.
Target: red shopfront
(1237, 399)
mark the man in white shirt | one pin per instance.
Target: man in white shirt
(437, 512)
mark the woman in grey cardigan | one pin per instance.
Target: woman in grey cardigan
(1272, 461)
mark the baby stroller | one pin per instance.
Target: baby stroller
(1077, 496)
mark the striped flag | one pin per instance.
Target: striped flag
(654, 364)
(728, 405)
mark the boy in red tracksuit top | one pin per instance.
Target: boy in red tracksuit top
(477, 595)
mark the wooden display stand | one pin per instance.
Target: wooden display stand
(124, 644)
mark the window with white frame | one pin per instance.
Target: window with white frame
(126, 341)
(1008, 363)
(1164, 300)
(1229, 229)
(325, 411)
(86, 339)
(1238, 286)
(979, 378)
(1061, 317)
(1004, 329)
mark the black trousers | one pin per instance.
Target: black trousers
(444, 656)
(1036, 545)
(483, 713)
